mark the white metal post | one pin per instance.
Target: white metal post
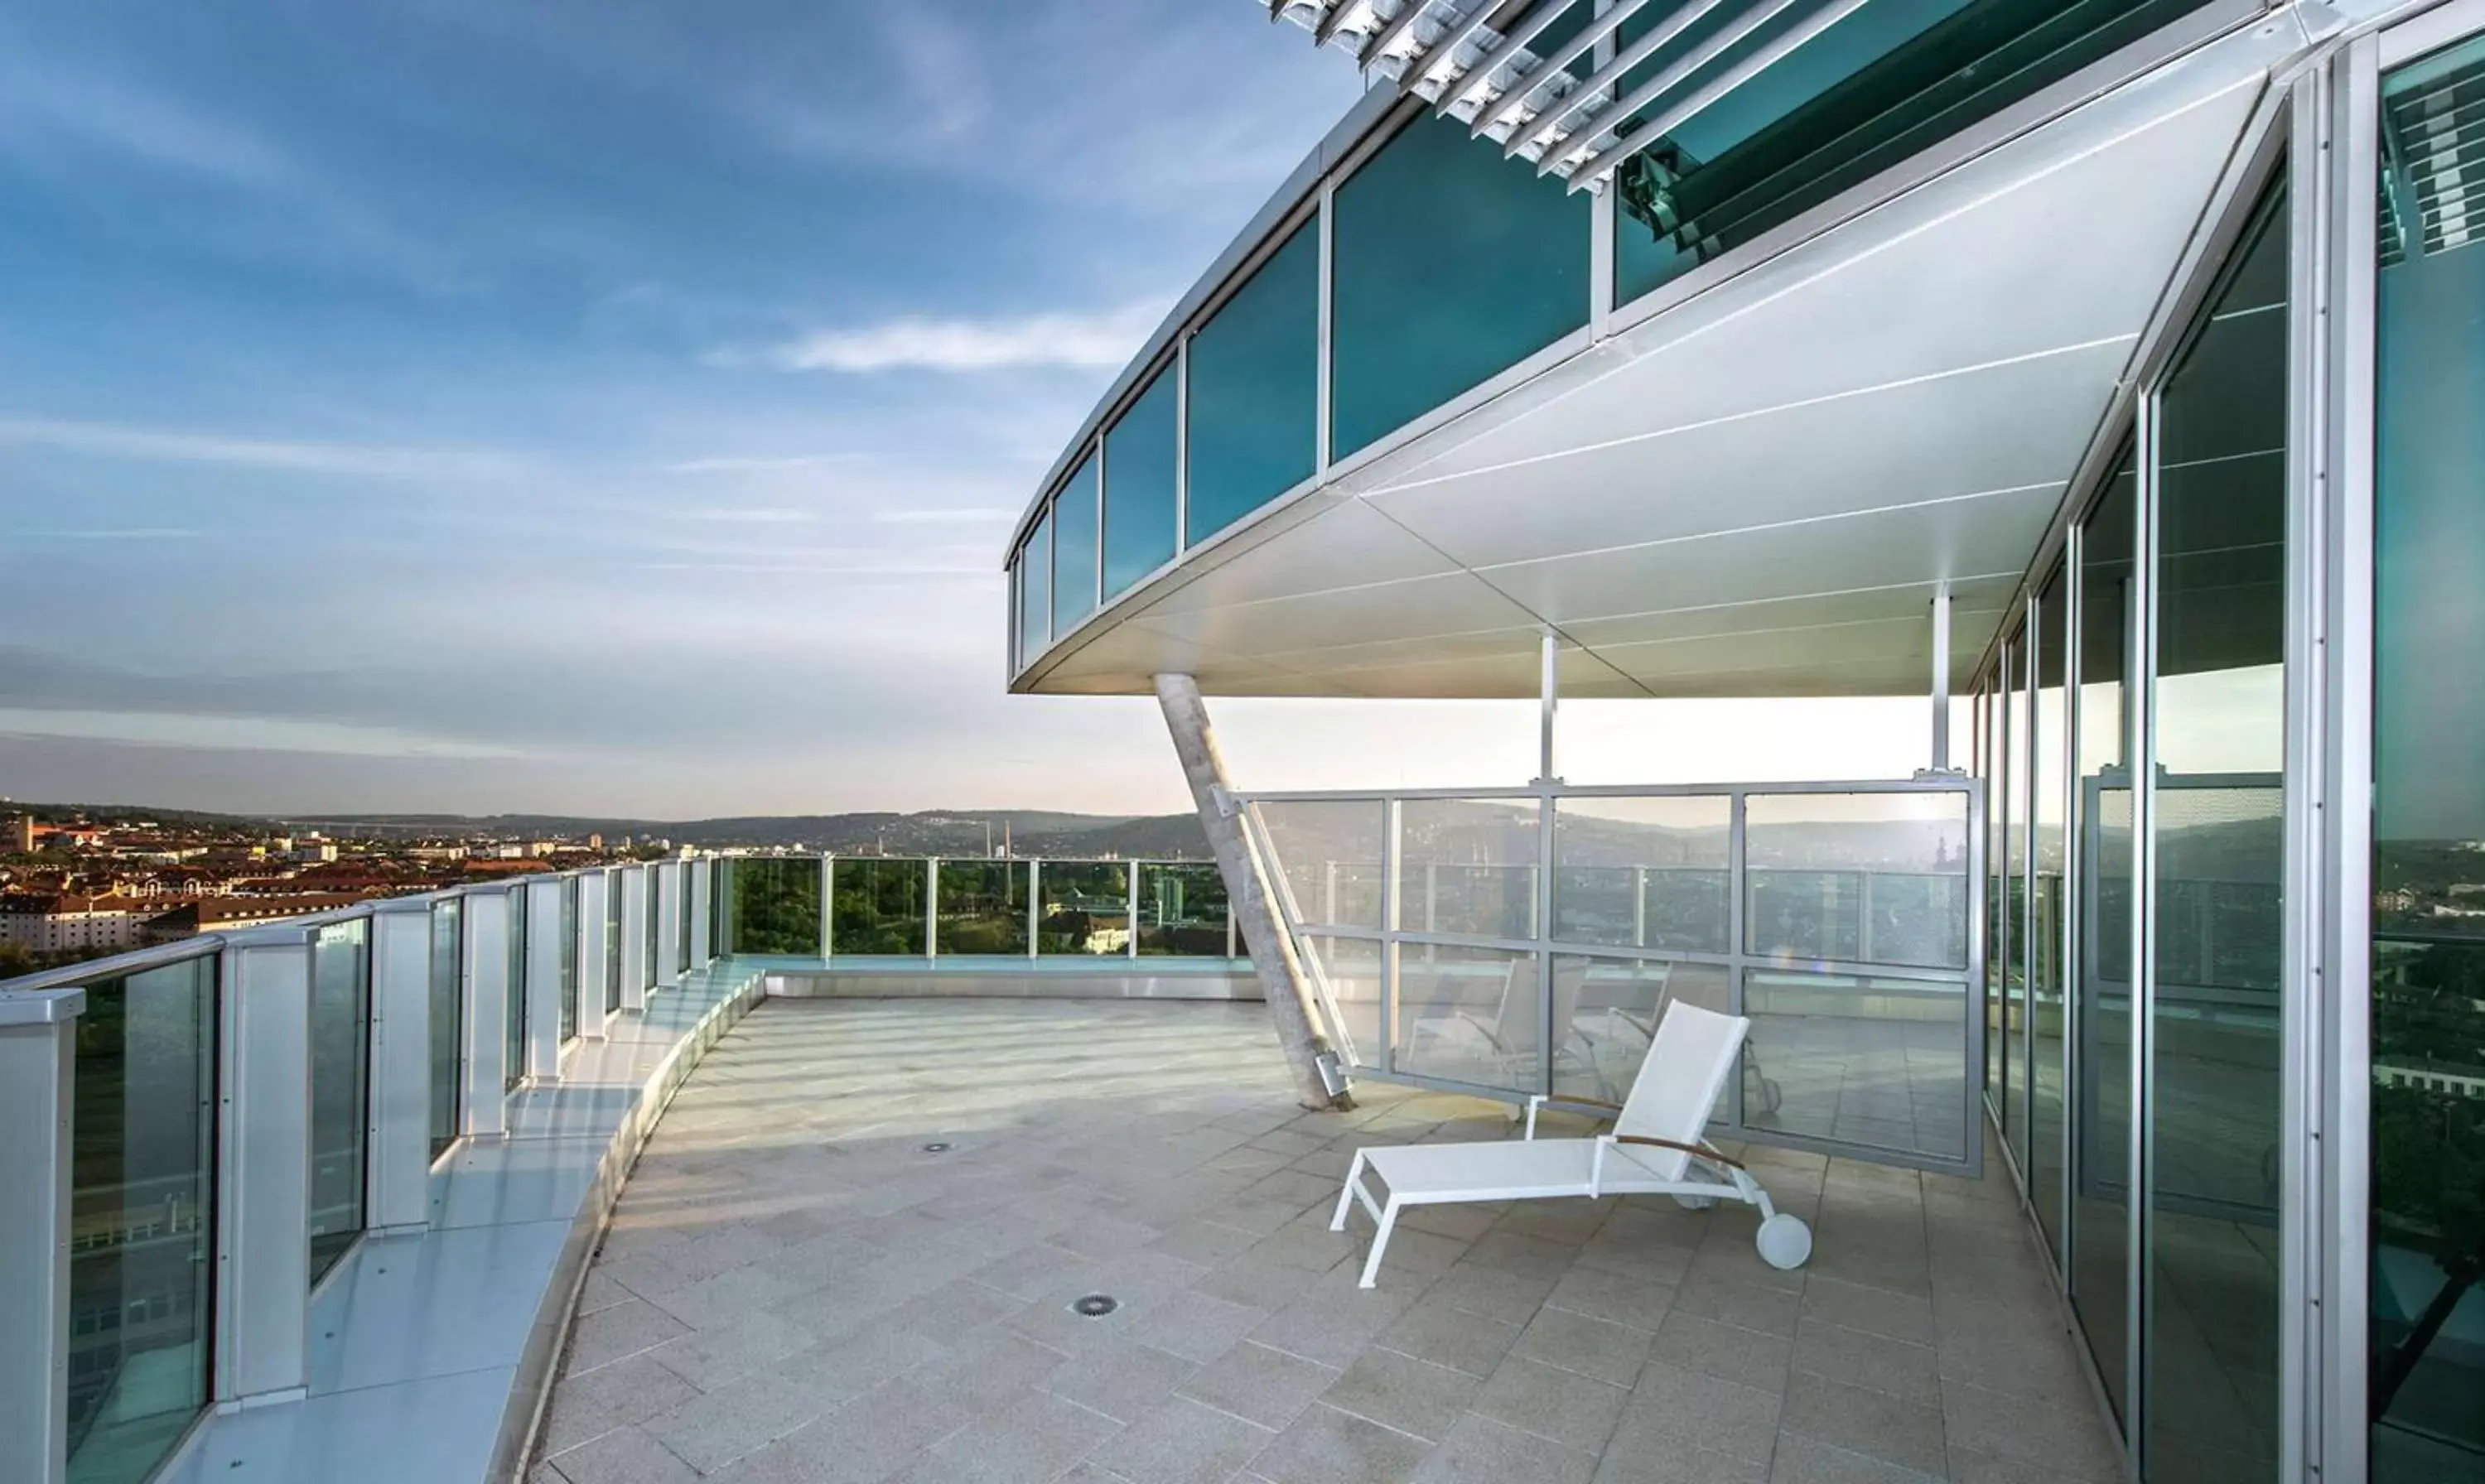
(1550, 684)
(543, 980)
(38, 1072)
(487, 1012)
(594, 898)
(932, 907)
(1034, 904)
(398, 1179)
(1941, 675)
(702, 899)
(668, 922)
(263, 1170)
(1131, 880)
(828, 905)
(633, 939)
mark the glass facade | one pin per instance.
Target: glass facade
(982, 907)
(447, 1016)
(2048, 805)
(1467, 867)
(1141, 458)
(2426, 1336)
(141, 1219)
(1453, 264)
(1183, 911)
(1643, 872)
(776, 905)
(1035, 593)
(880, 906)
(1254, 398)
(1075, 550)
(341, 1054)
(1083, 907)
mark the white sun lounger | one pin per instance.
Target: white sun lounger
(1654, 1149)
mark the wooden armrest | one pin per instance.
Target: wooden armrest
(1700, 1149)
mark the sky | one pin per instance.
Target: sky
(619, 406)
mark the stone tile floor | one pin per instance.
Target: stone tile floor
(797, 1288)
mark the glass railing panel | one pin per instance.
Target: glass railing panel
(777, 905)
(1141, 463)
(612, 943)
(686, 908)
(1605, 1011)
(1328, 855)
(1857, 877)
(1451, 265)
(1346, 972)
(880, 906)
(1183, 910)
(448, 1006)
(983, 907)
(141, 1219)
(1085, 907)
(1467, 866)
(1254, 406)
(1469, 1015)
(513, 1017)
(569, 889)
(1643, 872)
(655, 896)
(1866, 1061)
(1074, 548)
(1885, 82)
(341, 1053)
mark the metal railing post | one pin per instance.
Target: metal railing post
(633, 939)
(1131, 882)
(37, 1082)
(1034, 905)
(263, 1169)
(399, 1180)
(543, 980)
(668, 922)
(828, 905)
(931, 906)
(486, 972)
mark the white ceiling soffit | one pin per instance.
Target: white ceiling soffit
(1756, 490)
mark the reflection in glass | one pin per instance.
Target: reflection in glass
(1989, 767)
(2219, 722)
(514, 1003)
(447, 1016)
(983, 907)
(777, 905)
(569, 889)
(2013, 945)
(1328, 857)
(141, 1219)
(1873, 1062)
(340, 1051)
(1035, 593)
(612, 941)
(1084, 907)
(2048, 739)
(682, 876)
(1074, 548)
(1346, 972)
(655, 922)
(1254, 410)
(2427, 1326)
(1605, 1013)
(1643, 873)
(2101, 1011)
(1469, 1015)
(1451, 265)
(880, 906)
(1857, 877)
(1467, 867)
(1139, 468)
(1183, 910)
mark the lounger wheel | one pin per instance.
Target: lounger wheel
(1695, 1202)
(1784, 1241)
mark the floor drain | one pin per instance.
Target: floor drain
(1095, 1306)
(935, 1148)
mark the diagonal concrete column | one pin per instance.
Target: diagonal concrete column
(1282, 982)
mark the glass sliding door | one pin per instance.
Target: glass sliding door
(2047, 806)
(2426, 1366)
(2011, 946)
(2218, 720)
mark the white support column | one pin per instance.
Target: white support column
(1130, 887)
(1282, 981)
(633, 939)
(263, 1170)
(487, 1014)
(595, 897)
(398, 1179)
(932, 907)
(1549, 683)
(1941, 677)
(543, 980)
(37, 1071)
(828, 905)
(702, 899)
(1034, 905)
(668, 922)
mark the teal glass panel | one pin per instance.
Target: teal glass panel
(777, 905)
(447, 1019)
(1139, 468)
(880, 906)
(142, 1218)
(1255, 391)
(1453, 264)
(340, 1058)
(2218, 719)
(1074, 548)
(1083, 908)
(1035, 593)
(1877, 86)
(1183, 910)
(2427, 1324)
(513, 1017)
(569, 958)
(983, 907)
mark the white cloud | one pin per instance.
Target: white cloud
(1086, 342)
(763, 463)
(968, 515)
(124, 533)
(166, 446)
(753, 517)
